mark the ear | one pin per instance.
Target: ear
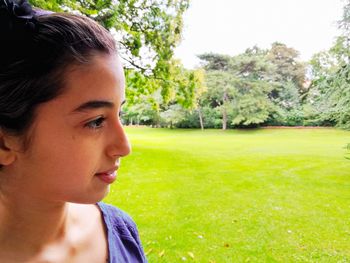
(7, 151)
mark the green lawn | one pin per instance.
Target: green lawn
(270, 195)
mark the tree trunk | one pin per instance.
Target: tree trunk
(200, 118)
(224, 111)
(224, 119)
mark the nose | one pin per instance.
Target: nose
(119, 145)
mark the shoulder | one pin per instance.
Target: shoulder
(122, 234)
(118, 220)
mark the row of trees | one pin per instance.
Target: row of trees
(253, 88)
(258, 87)
(261, 87)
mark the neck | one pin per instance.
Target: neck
(28, 224)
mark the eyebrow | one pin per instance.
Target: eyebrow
(95, 104)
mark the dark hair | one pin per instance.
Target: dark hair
(35, 52)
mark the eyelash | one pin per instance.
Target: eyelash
(96, 123)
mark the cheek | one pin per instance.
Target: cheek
(62, 157)
(59, 150)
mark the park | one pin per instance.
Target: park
(261, 195)
(244, 157)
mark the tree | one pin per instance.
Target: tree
(185, 93)
(198, 88)
(239, 86)
(221, 92)
(330, 90)
(288, 75)
(220, 82)
(252, 106)
(173, 115)
(287, 66)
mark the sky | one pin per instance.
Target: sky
(231, 26)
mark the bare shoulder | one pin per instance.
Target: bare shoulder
(86, 222)
(88, 232)
(85, 213)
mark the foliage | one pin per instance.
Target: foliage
(289, 78)
(148, 32)
(257, 87)
(173, 115)
(287, 67)
(185, 95)
(140, 114)
(142, 25)
(330, 90)
(239, 86)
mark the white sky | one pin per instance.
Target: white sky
(231, 26)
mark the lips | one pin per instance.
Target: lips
(108, 176)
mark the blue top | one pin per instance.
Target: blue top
(124, 244)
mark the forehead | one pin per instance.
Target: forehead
(106, 68)
(101, 79)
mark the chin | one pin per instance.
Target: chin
(91, 198)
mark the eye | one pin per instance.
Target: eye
(96, 123)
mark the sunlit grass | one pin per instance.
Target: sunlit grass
(280, 195)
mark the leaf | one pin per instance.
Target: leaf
(161, 254)
(191, 254)
(148, 251)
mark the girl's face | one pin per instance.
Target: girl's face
(77, 139)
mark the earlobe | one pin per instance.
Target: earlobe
(7, 154)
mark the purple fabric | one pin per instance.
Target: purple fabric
(124, 244)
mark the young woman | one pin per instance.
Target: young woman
(61, 140)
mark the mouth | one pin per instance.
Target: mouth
(108, 176)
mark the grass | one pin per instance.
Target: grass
(270, 195)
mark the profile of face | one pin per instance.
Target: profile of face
(77, 139)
